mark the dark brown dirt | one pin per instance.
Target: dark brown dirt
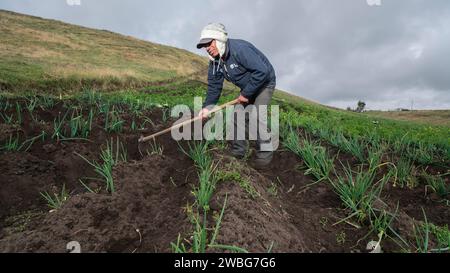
(150, 195)
(312, 209)
(144, 215)
(255, 223)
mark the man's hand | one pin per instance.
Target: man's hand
(242, 99)
(203, 113)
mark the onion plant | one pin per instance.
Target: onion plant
(198, 153)
(113, 122)
(405, 169)
(421, 153)
(146, 121)
(437, 184)
(29, 142)
(8, 119)
(315, 156)
(109, 156)
(46, 102)
(7, 105)
(79, 127)
(58, 127)
(358, 191)
(19, 113)
(422, 235)
(207, 185)
(354, 146)
(155, 148)
(207, 178)
(31, 104)
(200, 241)
(375, 154)
(12, 144)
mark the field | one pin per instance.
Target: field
(71, 169)
(326, 191)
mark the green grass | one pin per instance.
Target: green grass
(20, 222)
(424, 232)
(434, 117)
(236, 177)
(442, 235)
(357, 142)
(273, 189)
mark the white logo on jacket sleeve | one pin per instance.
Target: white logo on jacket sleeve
(233, 66)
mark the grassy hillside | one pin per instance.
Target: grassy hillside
(48, 55)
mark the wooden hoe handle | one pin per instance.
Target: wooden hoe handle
(147, 138)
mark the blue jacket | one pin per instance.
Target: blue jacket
(245, 66)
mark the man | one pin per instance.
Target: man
(244, 65)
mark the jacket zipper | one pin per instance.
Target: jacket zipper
(226, 71)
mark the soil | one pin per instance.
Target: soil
(148, 210)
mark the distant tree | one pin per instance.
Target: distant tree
(361, 106)
(349, 109)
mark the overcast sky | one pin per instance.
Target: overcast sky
(333, 52)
